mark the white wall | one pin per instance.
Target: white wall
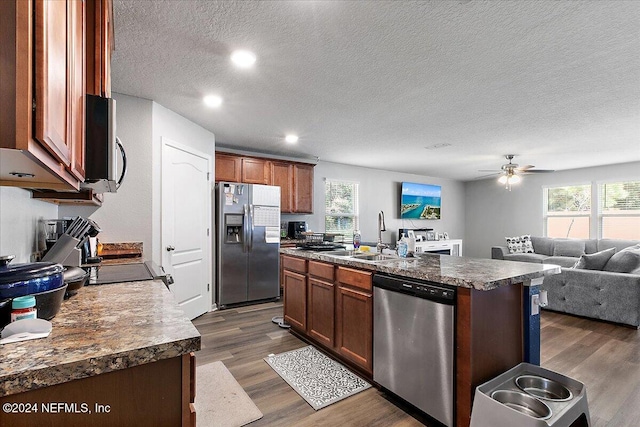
(126, 215)
(133, 213)
(20, 234)
(167, 124)
(380, 191)
(493, 212)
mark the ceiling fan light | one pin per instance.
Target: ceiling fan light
(503, 179)
(514, 179)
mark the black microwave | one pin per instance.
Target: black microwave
(101, 162)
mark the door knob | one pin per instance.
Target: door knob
(170, 248)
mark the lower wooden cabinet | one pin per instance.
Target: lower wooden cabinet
(354, 326)
(331, 305)
(321, 313)
(295, 299)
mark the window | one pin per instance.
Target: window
(568, 211)
(619, 210)
(341, 208)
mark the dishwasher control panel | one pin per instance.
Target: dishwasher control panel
(420, 289)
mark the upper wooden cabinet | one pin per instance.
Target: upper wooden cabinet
(282, 176)
(256, 171)
(43, 82)
(303, 188)
(228, 168)
(294, 179)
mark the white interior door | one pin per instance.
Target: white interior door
(186, 220)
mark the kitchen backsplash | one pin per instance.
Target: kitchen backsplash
(19, 217)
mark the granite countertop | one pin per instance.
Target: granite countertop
(477, 273)
(101, 329)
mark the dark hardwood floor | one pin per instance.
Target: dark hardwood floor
(604, 356)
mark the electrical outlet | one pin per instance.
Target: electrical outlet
(35, 256)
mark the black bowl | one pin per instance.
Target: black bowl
(5, 312)
(75, 278)
(48, 303)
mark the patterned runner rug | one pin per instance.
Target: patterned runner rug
(320, 380)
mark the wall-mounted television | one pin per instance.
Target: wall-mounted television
(420, 201)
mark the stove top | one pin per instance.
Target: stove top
(105, 274)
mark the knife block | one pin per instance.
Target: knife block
(65, 252)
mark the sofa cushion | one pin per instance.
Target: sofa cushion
(570, 248)
(619, 244)
(595, 261)
(625, 261)
(562, 261)
(526, 257)
(542, 245)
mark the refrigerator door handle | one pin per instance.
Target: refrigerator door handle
(245, 228)
(251, 228)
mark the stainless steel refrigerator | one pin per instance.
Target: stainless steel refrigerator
(247, 242)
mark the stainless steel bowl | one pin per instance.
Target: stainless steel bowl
(523, 403)
(544, 388)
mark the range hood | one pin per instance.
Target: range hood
(102, 146)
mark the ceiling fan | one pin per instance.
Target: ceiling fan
(510, 172)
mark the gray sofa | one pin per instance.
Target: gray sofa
(604, 295)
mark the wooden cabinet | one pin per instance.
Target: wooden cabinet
(354, 317)
(256, 171)
(338, 310)
(302, 188)
(282, 176)
(43, 50)
(321, 303)
(294, 281)
(294, 179)
(228, 168)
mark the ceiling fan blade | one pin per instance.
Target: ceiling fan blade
(525, 167)
(489, 170)
(487, 176)
(530, 171)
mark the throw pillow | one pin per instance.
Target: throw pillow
(573, 248)
(595, 261)
(519, 244)
(625, 261)
(527, 244)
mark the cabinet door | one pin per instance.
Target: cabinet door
(256, 171)
(51, 79)
(77, 86)
(321, 311)
(295, 299)
(282, 176)
(227, 168)
(303, 188)
(354, 332)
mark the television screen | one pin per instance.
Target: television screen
(420, 201)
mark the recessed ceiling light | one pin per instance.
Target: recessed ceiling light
(291, 138)
(243, 58)
(213, 101)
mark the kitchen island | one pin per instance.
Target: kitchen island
(118, 354)
(328, 301)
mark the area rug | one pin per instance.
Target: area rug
(220, 400)
(320, 380)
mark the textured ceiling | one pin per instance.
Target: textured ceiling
(374, 83)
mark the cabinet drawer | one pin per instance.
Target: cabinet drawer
(321, 270)
(294, 264)
(356, 278)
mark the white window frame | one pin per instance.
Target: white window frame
(545, 206)
(600, 207)
(356, 203)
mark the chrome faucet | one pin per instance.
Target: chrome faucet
(381, 227)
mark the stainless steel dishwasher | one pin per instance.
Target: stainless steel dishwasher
(413, 343)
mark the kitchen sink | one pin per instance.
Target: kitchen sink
(340, 253)
(374, 257)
